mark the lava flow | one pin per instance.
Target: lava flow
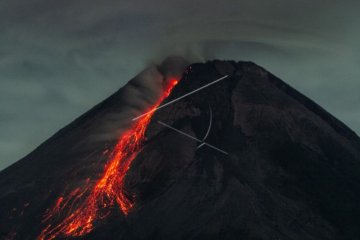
(83, 207)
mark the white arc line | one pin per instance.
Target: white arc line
(177, 99)
(194, 138)
(208, 131)
(201, 145)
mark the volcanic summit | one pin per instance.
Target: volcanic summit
(215, 150)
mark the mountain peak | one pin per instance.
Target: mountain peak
(229, 152)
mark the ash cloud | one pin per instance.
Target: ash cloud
(144, 90)
(58, 59)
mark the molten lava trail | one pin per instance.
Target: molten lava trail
(83, 207)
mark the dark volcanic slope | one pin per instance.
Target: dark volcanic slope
(292, 170)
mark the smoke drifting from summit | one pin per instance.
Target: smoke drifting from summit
(142, 92)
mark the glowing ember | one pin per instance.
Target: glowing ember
(82, 207)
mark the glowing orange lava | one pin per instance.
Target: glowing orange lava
(83, 207)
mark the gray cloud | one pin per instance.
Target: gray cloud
(59, 58)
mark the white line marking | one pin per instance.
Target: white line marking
(194, 138)
(177, 99)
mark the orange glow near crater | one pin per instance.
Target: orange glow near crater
(83, 207)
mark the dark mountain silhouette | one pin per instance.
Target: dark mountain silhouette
(273, 165)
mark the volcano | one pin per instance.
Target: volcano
(215, 150)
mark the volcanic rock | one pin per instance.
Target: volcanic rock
(247, 157)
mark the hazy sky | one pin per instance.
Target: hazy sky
(59, 58)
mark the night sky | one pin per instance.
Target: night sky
(60, 58)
